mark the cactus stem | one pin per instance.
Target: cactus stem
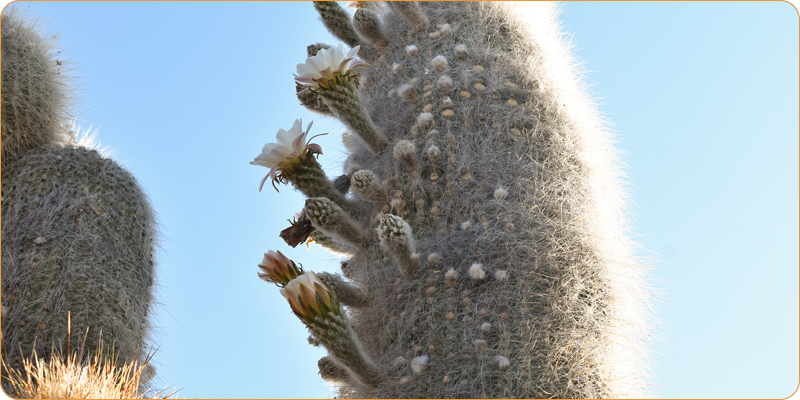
(336, 335)
(397, 239)
(345, 103)
(413, 13)
(367, 186)
(308, 177)
(368, 25)
(331, 219)
(348, 293)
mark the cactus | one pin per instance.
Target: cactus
(35, 82)
(487, 222)
(78, 231)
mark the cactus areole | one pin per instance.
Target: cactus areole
(486, 228)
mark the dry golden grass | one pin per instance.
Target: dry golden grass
(72, 379)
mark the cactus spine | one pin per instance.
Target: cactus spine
(491, 241)
(78, 231)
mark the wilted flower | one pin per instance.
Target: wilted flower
(309, 297)
(291, 148)
(299, 231)
(329, 66)
(278, 268)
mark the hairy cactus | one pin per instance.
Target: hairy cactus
(487, 221)
(35, 95)
(78, 231)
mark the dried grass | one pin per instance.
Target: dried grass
(71, 377)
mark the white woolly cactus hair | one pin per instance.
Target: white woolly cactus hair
(35, 86)
(488, 214)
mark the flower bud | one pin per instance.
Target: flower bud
(278, 269)
(309, 297)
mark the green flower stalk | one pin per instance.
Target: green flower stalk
(319, 309)
(330, 74)
(334, 221)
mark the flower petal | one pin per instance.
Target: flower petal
(268, 147)
(261, 185)
(285, 138)
(352, 53)
(314, 147)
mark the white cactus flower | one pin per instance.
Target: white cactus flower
(321, 70)
(291, 145)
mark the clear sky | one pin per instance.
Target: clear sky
(704, 98)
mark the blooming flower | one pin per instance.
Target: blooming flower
(278, 268)
(329, 66)
(309, 297)
(292, 146)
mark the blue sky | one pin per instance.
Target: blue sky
(704, 98)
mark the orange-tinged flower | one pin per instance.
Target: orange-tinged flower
(278, 268)
(309, 297)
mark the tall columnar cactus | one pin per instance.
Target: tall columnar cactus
(78, 232)
(35, 95)
(486, 226)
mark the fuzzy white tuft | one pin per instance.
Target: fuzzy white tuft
(418, 364)
(502, 363)
(461, 52)
(434, 153)
(447, 102)
(501, 275)
(440, 63)
(450, 276)
(500, 193)
(398, 69)
(407, 93)
(445, 84)
(425, 121)
(476, 272)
